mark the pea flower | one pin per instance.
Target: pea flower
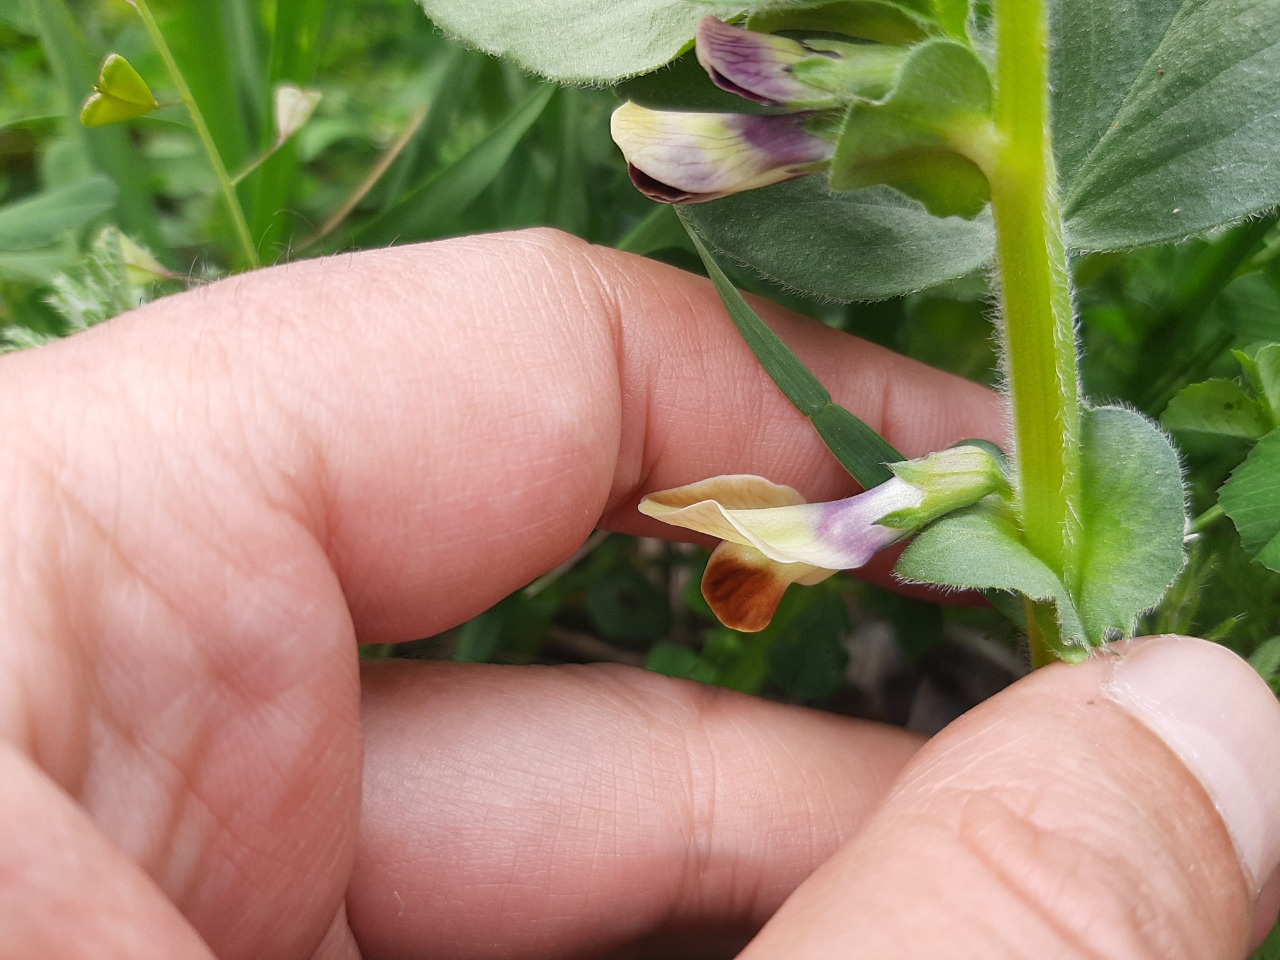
(679, 157)
(772, 538)
(692, 157)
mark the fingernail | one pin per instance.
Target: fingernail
(1218, 715)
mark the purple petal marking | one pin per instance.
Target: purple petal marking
(783, 140)
(756, 66)
(852, 525)
(692, 157)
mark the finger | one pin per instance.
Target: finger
(447, 421)
(1127, 808)
(565, 812)
(65, 892)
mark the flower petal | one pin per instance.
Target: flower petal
(754, 65)
(677, 157)
(744, 587)
(841, 535)
(697, 506)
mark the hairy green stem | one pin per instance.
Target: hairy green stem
(225, 183)
(1037, 329)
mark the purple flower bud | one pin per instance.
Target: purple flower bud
(757, 66)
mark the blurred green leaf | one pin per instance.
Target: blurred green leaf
(423, 210)
(42, 220)
(1251, 497)
(628, 607)
(673, 660)
(1164, 116)
(480, 637)
(1217, 406)
(1262, 370)
(808, 659)
(577, 40)
(1266, 660)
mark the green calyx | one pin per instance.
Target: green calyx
(949, 479)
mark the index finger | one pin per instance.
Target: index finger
(448, 421)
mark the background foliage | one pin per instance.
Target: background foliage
(416, 138)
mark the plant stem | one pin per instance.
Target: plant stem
(1207, 519)
(1037, 329)
(225, 183)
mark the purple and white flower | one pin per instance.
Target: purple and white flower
(676, 157)
(771, 538)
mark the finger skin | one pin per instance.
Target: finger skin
(1047, 822)
(594, 811)
(216, 495)
(62, 865)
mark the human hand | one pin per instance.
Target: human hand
(212, 499)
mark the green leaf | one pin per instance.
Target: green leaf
(583, 41)
(40, 221)
(120, 94)
(1263, 372)
(1164, 116)
(1132, 504)
(861, 450)
(627, 607)
(923, 138)
(808, 658)
(1217, 406)
(1134, 517)
(861, 245)
(673, 660)
(1251, 498)
(981, 548)
(1266, 660)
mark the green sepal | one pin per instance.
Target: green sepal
(1251, 498)
(882, 21)
(861, 450)
(858, 71)
(120, 94)
(928, 137)
(1218, 406)
(1132, 502)
(950, 479)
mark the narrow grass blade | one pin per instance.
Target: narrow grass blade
(861, 450)
(434, 202)
(296, 42)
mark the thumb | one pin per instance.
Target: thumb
(1127, 808)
